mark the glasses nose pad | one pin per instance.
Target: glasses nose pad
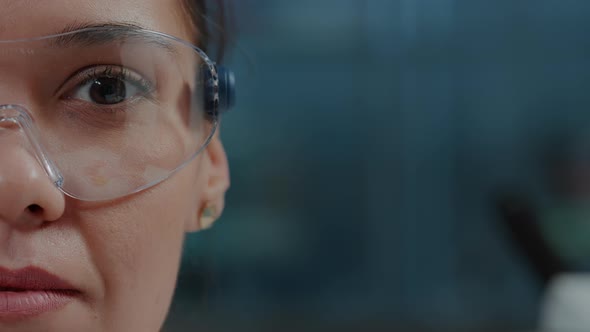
(16, 127)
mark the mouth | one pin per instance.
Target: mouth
(32, 291)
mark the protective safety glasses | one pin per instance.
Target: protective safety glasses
(110, 111)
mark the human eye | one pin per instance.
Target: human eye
(108, 85)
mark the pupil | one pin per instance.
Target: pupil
(108, 90)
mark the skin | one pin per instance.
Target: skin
(123, 255)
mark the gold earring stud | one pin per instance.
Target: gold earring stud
(208, 217)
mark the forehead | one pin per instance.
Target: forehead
(30, 18)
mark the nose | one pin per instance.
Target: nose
(27, 195)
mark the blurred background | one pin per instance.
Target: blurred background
(407, 165)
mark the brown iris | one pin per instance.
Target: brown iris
(108, 91)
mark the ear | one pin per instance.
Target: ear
(216, 182)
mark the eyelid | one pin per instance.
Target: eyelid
(88, 73)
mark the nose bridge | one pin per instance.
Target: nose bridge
(17, 160)
(17, 131)
(17, 157)
(26, 191)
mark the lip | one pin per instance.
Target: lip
(32, 291)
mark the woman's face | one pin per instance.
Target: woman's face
(121, 256)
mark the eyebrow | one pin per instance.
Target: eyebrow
(90, 34)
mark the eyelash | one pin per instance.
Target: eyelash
(145, 87)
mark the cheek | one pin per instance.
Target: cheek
(136, 247)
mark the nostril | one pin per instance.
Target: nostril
(35, 209)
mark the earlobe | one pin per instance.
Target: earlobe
(216, 183)
(208, 217)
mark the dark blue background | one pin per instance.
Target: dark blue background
(368, 140)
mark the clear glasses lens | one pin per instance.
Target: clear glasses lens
(113, 111)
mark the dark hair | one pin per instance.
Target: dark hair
(209, 20)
